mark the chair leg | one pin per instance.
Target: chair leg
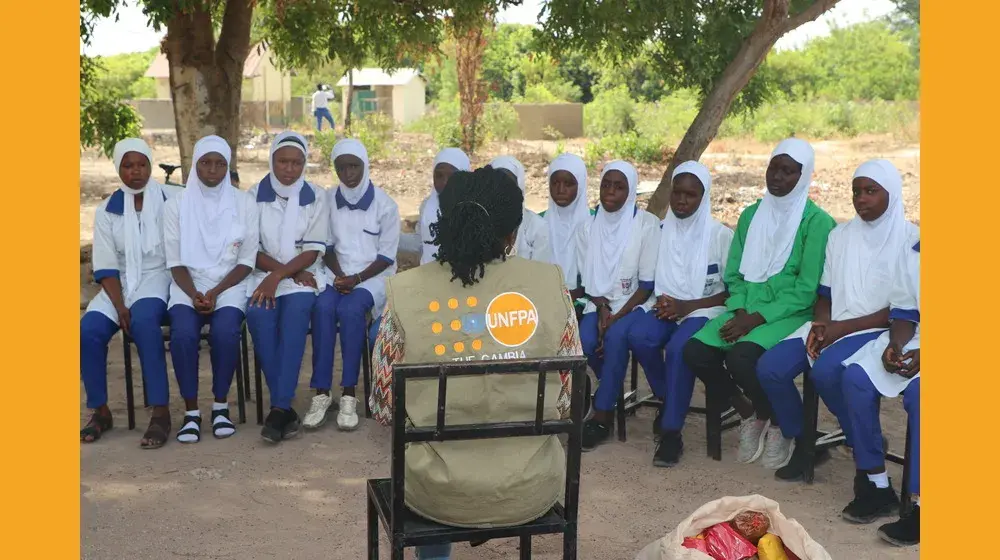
(810, 400)
(245, 369)
(569, 543)
(620, 413)
(906, 501)
(713, 425)
(397, 547)
(366, 374)
(241, 403)
(372, 530)
(525, 547)
(260, 397)
(129, 395)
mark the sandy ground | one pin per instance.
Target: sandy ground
(242, 498)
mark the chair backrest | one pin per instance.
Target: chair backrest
(402, 434)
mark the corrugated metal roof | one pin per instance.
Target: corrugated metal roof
(160, 68)
(379, 77)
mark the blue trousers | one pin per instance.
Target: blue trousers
(320, 114)
(611, 368)
(434, 552)
(279, 338)
(862, 402)
(96, 331)
(658, 345)
(350, 313)
(225, 326)
(779, 366)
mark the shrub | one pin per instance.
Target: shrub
(374, 130)
(611, 112)
(629, 146)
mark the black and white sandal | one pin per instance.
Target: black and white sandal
(191, 429)
(222, 426)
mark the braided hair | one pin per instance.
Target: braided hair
(479, 210)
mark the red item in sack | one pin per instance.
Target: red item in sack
(697, 543)
(752, 525)
(724, 543)
(791, 555)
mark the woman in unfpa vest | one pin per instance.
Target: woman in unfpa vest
(477, 302)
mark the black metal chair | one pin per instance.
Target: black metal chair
(822, 440)
(385, 496)
(366, 374)
(242, 375)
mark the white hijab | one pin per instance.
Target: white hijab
(869, 246)
(684, 244)
(290, 218)
(206, 213)
(609, 235)
(143, 235)
(563, 222)
(457, 159)
(353, 147)
(511, 164)
(771, 234)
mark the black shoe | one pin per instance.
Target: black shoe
(594, 434)
(871, 502)
(292, 424)
(905, 532)
(668, 450)
(657, 430)
(274, 424)
(795, 470)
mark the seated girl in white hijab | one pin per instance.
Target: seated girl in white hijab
(566, 213)
(362, 239)
(211, 241)
(851, 310)
(617, 254)
(532, 235)
(288, 276)
(694, 248)
(447, 161)
(130, 265)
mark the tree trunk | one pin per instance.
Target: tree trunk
(206, 78)
(349, 99)
(773, 24)
(470, 46)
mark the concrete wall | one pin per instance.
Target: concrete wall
(158, 114)
(534, 118)
(408, 102)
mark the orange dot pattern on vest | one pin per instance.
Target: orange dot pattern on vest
(452, 303)
(436, 327)
(439, 349)
(434, 306)
(459, 347)
(477, 345)
(456, 325)
(471, 301)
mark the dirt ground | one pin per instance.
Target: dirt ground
(242, 498)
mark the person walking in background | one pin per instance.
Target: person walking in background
(321, 106)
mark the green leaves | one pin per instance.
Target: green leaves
(105, 118)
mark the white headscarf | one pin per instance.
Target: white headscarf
(353, 147)
(563, 222)
(511, 164)
(206, 213)
(143, 234)
(609, 235)
(684, 244)
(290, 218)
(869, 246)
(457, 159)
(771, 234)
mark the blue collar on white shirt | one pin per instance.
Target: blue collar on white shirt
(116, 204)
(265, 192)
(917, 247)
(364, 204)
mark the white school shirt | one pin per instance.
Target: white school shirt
(426, 251)
(321, 100)
(242, 244)
(108, 256)
(904, 305)
(880, 286)
(721, 237)
(364, 234)
(638, 265)
(310, 233)
(533, 238)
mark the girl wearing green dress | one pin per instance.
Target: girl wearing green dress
(773, 271)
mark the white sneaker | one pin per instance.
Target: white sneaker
(777, 449)
(752, 433)
(347, 419)
(317, 414)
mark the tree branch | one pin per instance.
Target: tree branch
(814, 10)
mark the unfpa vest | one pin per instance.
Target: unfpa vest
(518, 310)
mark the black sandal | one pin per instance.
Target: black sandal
(157, 433)
(95, 428)
(192, 431)
(220, 420)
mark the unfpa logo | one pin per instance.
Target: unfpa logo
(511, 319)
